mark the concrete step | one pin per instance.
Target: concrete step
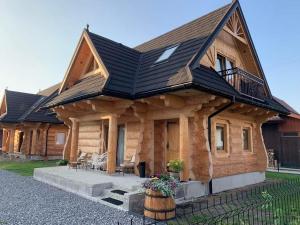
(107, 193)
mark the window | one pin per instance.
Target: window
(223, 63)
(246, 139)
(60, 138)
(166, 54)
(220, 137)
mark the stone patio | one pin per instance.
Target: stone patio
(98, 186)
(95, 185)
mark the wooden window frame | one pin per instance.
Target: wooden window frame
(60, 132)
(230, 59)
(226, 151)
(250, 138)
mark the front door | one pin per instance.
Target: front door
(121, 144)
(172, 149)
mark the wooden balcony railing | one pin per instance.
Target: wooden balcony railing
(245, 83)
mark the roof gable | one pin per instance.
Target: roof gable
(233, 11)
(3, 108)
(85, 62)
(17, 103)
(121, 62)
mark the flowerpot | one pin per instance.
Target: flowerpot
(176, 175)
(157, 206)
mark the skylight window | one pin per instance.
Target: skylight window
(166, 54)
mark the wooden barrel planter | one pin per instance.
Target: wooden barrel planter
(158, 207)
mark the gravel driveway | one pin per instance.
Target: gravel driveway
(26, 201)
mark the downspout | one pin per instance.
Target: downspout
(209, 130)
(46, 146)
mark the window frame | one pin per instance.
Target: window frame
(173, 48)
(226, 151)
(224, 63)
(250, 138)
(223, 127)
(56, 135)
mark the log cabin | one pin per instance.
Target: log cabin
(282, 137)
(197, 93)
(29, 131)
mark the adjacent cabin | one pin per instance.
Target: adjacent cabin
(282, 137)
(29, 131)
(197, 93)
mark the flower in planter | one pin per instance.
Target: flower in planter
(163, 183)
(175, 166)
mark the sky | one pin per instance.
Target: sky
(38, 37)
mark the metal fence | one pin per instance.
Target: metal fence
(276, 203)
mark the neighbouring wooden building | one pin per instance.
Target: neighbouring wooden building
(282, 136)
(197, 93)
(28, 130)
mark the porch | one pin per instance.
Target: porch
(114, 190)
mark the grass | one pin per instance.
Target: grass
(281, 176)
(25, 168)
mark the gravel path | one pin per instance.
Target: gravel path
(26, 201)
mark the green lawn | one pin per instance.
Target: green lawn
(25, 168)
(281, 176)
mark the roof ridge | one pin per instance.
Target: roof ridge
(181, 26)
(115, 42)
(32, 108)
(20, 92)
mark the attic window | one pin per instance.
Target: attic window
(166, 54)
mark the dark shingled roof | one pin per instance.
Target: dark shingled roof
(49, 91)
(25, 107)
(17, 103)
(134, 74)
(88, 87)
(198, 28)
(286, 105)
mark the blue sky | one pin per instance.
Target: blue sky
(38, 37)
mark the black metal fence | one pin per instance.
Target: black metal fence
(276, 203)
(245, 82)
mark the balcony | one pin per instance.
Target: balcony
(245, 83)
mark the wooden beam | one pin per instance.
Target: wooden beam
(112, 144)
(243, 40)
(101, 106)
(74, 140)
(34, 141)
(156, 102)
(184, 146)
(173, 101)
(11, 140)
(4, 138)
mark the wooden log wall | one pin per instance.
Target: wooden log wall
(132, 139)
(53, 148)
(145, 123)
(236, 160)
(89, 137)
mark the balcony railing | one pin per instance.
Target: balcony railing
(245, 83)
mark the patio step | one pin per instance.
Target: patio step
(107, 193)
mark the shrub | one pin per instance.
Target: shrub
(163, 183)
(175, 165)
(62, 162)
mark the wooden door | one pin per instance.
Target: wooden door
(172, 149)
